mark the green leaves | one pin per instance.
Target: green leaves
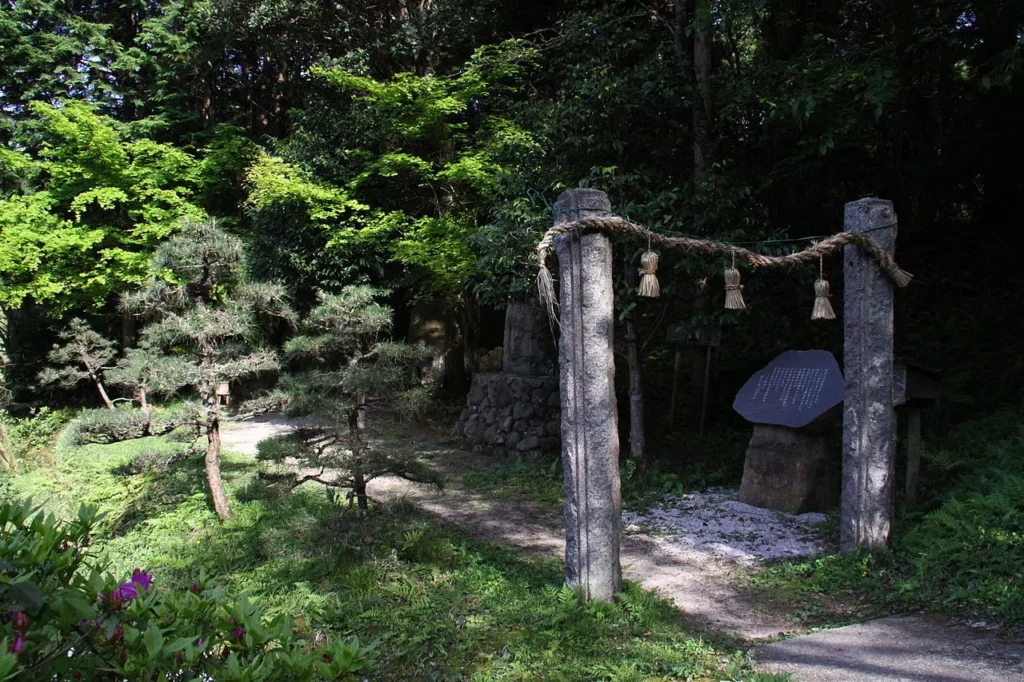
(88, 209)
(60, 615)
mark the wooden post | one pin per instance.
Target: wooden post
(913, 451)
(675, 388)
(868, 429)
(590, 440)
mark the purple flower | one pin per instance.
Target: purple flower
(200, 642)
(19, 620)
(239, 634)
(143, 580)
(17, 645)
(130, 590)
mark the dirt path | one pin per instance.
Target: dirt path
(702, 586)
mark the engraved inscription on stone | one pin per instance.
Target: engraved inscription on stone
(794, 389)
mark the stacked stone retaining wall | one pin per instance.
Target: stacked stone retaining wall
(512, 414)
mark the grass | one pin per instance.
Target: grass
(959, 551)
(439, 607)
(540, 483)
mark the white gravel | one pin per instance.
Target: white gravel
(717, 523)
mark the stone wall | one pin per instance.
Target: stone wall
(512, 414)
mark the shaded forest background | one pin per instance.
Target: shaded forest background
(417, 146)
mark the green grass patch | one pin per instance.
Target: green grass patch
(539, 482)
(440, 607)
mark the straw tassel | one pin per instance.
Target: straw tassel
(733, 288)
(822, 306)
(649, 286)
(546, 288)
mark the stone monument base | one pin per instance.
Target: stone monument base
(512, 414)
(786, 470)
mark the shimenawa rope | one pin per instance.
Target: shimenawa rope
(615, 224)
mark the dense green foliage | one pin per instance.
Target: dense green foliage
(66, 616)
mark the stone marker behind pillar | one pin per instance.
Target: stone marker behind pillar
(791, 402)
(590, 441)
(869, 447)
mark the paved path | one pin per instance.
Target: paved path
(896, 649)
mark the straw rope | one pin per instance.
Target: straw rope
(708, 247)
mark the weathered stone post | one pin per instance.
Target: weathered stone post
(869, 452)
(590, 441)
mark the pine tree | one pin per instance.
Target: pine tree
(205, 326)
(82, 356)
(351, 368)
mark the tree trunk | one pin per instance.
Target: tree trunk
(103, 392)
(702, 109)
(213, 478)
(361, 498)
(6, 456)
(143, 402)
(637, 437)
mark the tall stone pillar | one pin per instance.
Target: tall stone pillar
(869, 451)
(590, 441)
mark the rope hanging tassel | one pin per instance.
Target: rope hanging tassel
(706, 247)
(733, 288)
(822, 306)
(649, 286)
(546, 287)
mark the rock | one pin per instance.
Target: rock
(520, 425)
(523, 411)
(528, 443)
(786, 470)
(554, 400)
(550, 443)
(553, 428)
(499, 394)
(476, 394)
(505, 424)
(491, 434)
(538, 396)
(513, 439)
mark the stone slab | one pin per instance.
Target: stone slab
(786, 470)
(793, 390)
(896, 649)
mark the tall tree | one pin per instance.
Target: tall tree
(201, 311)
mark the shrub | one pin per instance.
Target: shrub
(31, 437)
(113, 426)
(62, 616)
(969, 554)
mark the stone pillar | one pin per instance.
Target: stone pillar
(869, 452)
(590, 440)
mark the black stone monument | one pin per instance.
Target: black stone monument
(790, 402)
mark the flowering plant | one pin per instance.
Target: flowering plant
(63, 618)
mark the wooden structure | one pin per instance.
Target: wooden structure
(914, 388)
